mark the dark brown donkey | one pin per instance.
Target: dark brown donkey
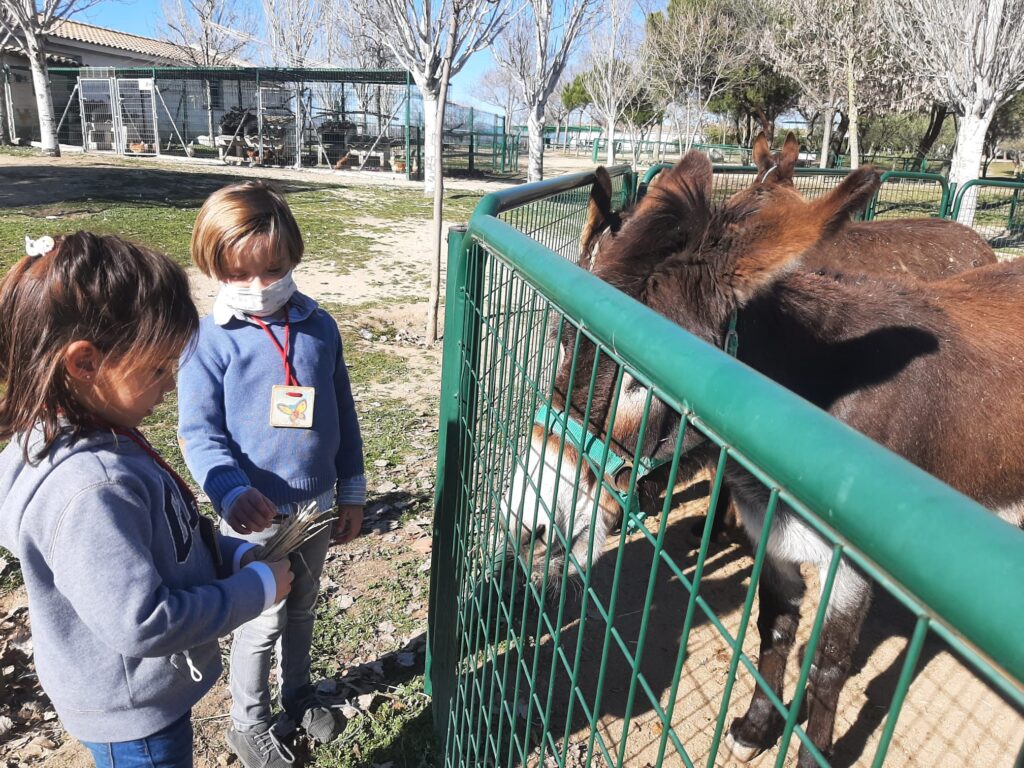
(925, 369)
(921, 248)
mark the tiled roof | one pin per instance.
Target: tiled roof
(87, 33)
(51, 58)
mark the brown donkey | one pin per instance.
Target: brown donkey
(925, 369)
(921, 248)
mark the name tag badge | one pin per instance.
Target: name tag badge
(291, 407)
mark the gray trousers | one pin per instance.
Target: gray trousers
(288, 625)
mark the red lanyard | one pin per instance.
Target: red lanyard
(136, 437)
(289, 375)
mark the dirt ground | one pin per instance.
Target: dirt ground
(949, 718)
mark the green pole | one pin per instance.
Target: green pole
(408, 128)
(458, 393)
(472, 129)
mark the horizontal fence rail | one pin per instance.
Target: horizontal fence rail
(644, 656)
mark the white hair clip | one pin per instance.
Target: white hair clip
(39, 247)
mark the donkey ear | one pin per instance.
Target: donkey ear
(851, 196)
(671, 216)
(600, 216)
(769, 242)
(682, 195)
(762, 154)
(689, 179)
(788, 156)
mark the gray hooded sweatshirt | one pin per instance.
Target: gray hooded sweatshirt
(127, 592)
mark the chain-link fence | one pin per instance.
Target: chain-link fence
(309, 118)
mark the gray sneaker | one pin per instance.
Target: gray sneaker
(321, 722)
(260, 747)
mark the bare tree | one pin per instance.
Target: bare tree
(694, 52)
(5, 137)
(497, 88)
(968, 54)
(351, 42)
(842, 56)
(611, 67)
(434, 41)
(295, 30)
(535, 50)
(197, 28)
(27, 24)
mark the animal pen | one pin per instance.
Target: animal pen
(300, 118)
(644, 658)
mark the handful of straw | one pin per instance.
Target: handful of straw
(296, 530)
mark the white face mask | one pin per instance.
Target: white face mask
(258, 301)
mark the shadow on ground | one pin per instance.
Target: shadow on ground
(48, 184)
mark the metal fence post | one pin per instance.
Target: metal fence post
(408, 128)
(472, 132)
(461, 334)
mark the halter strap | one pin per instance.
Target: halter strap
(764, 178)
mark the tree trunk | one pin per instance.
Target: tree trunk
(44, 100)
(970, 140)
(209, 113)
(535, 132)
(851, 97)
(5, 137)
(611, 142)
(433, 138)
(936, 118)
(839, 135)
(435, 145)
(767, 126)
(826, 136)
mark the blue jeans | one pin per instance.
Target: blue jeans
(170, 747)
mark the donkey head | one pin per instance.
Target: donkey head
(694, 264)
(777, 168)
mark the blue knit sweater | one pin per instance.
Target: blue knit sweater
(224, 389)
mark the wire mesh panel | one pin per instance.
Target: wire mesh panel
(581, 612)
(729, 179)
(557, 220)
(98, 111)
(137, 116)
(993, 209)
(904, 195)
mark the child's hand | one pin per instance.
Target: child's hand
(282, 577)
(251, 512)
(348, 524)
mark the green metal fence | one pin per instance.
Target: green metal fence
(906, 194)
(993, 208)
(643, 659)
(729, 179)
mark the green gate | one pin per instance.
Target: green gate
(993, 208)
(646, 656)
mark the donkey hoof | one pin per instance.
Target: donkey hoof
(740, 751)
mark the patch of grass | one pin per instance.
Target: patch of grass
(398, 732)
(10, 149)
(10, 577)
(325, 217)
(341, 634)
(372, 366)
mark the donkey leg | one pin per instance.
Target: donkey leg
(833, 658)
(779, 593)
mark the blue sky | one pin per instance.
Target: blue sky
(142, 17)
